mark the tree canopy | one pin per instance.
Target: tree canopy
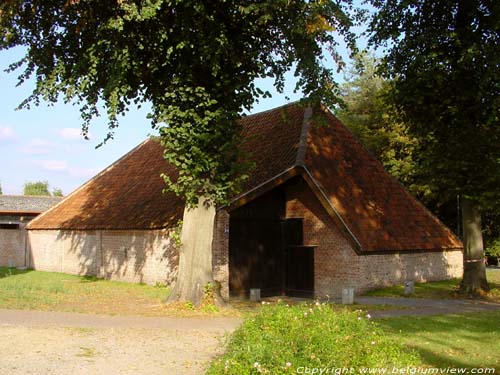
(443, 59)
(36, 188)
(196, 62)
(369, 115)
(40, 188)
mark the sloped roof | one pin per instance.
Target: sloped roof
(372, 207)
(126, 195)
(26, 203)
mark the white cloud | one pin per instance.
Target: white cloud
(37, 146)
(53, 165)
(6, 133)
(61, 166)
(71, 134)
(84, 172)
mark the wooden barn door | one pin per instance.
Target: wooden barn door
(256, 256)
(267, 251)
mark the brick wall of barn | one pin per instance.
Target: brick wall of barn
(147, 256)
(338, 266)
(12, 247)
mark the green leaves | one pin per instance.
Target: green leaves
(195, 62)
(444, 58)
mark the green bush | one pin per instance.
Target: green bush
(287, 340)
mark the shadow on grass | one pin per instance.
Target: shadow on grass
(90, 279)
(12, 271)
(452, 340)
(440, 360)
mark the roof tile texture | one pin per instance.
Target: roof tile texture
(375, 207)
(126, 195)
(26, 203)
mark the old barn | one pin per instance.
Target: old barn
(317, 214)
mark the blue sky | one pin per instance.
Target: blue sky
(45, 142)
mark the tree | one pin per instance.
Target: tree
(491, 232)
(196, 63)
(1, 189)
(57, 192)
(444, 59)
(368, 114)
(36, 188)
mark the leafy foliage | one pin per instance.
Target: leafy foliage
(443, 58)
(195, 61)
(57, 192)
(281, 339)
(36, 188)
(40, 188)
(369, 115)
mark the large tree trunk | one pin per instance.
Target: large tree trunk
(474, 279)
(195, 278)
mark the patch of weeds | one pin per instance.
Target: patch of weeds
(86, 352)
(283, 339)
(209, 300)
(160, 284)
(210, 308)
(189, 306)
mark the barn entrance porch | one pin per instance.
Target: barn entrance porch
(266, 250)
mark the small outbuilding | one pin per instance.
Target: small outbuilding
(16, 211)
(318, 214)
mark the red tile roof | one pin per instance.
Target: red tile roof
(374, 206)
(376, 210)
(126, 195)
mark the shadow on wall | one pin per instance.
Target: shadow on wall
(338, 266)
(145, 256)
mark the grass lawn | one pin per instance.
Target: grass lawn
(470, 340)
(440, 289)
(51, 291)
(300, 335)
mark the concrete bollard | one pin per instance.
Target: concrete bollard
(409, 287)
(255, 294)
(348, 296)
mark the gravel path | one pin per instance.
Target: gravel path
(33, 342)
(426, 306)
(36, 342)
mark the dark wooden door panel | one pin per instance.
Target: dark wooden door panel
(300, 271)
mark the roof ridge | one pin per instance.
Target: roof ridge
(38, 218)
(28, 196)
(302, 148)
(272, 109)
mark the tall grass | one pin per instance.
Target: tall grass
(283, 339)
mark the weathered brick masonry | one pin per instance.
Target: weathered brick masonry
(337, 265)
(12, 247)
(146, 256)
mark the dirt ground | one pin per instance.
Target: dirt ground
(29, 350)
(32, 343)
